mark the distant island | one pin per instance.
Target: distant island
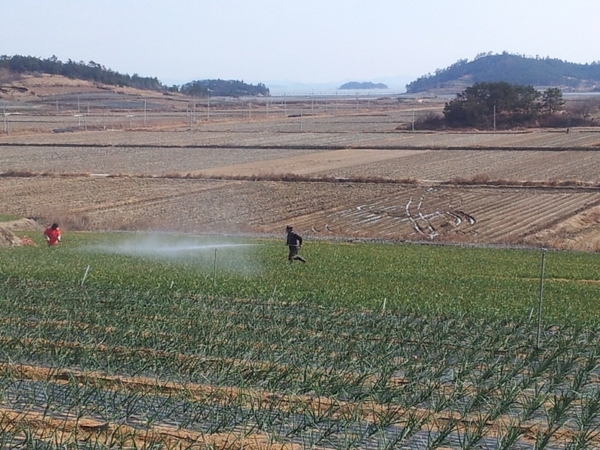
(362, 85)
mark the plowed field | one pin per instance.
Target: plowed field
(166, 180)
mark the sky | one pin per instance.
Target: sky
(283, 42)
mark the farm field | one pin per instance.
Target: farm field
(416, 163)
(352, 132)
(526, 188)
(482, 215)
(199, 334)
(185, 342)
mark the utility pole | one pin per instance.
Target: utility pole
(494, 117)
(208, 106)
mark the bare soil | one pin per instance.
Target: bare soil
(350, 174)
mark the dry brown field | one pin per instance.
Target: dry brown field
(335, 168)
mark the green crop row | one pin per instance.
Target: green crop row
(479, 282)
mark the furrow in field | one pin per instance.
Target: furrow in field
(544, 213)
(506, 220)
(368, 411)
(495, 164)
(70, 430)
(526, 216)
(577, 210)
(522, 208)
(260, 366)
(487, 207)
(146, 200)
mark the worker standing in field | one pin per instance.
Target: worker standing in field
(52, 234)
(294, 242)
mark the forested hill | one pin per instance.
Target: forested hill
(91, 71)
(514, 69)
(95, 72)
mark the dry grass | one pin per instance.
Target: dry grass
(482, 179)
(66, 220)
(78, 221)
(20, 173)
(287, 177)
(485, 180)
(51, 173)
(292, 177)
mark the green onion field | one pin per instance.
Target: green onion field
(135, 341)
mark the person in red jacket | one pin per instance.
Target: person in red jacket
(52, 234)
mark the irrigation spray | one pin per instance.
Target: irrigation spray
(168, 246)
(177, 248)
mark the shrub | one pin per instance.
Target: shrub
(564, 120)
(431, 121)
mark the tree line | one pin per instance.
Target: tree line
(92, 71)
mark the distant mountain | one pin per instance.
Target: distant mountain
(363, 85)
(514, 69)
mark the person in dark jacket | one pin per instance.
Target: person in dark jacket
(294, 242)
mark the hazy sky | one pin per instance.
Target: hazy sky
(308, 41)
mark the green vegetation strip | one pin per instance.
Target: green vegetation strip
(8, 217)
(403, 345)
(415, 279)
